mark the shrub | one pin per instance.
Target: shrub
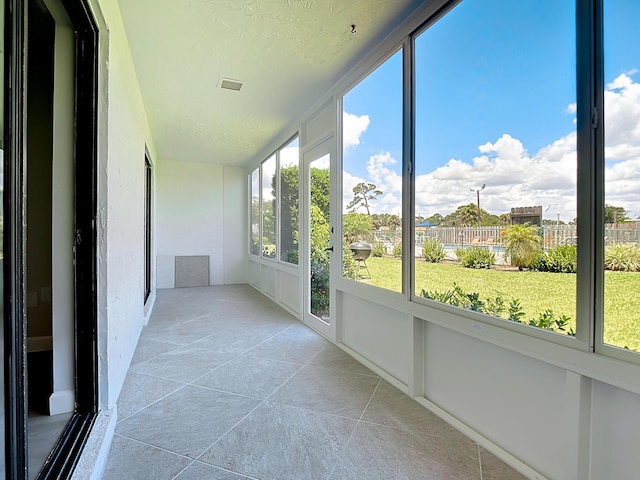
(475, 257)
(623, 257)
(433, 250)
(378, 249)
(522, 244)
(397, 250)
(498, 307)
(561, 259)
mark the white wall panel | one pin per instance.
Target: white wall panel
(268, 280)
(289, 291)
(515, 401)
(254, 274)
(381, 335)
(615, 430)
(190, 213)
(319, 125)
(234, 231)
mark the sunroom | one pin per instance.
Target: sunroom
(485, 155)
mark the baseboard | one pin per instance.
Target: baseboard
(62, 402)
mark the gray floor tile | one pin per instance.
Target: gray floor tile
(301, 432)
(281, 442)
(183, 365)
(129, 459)
(495, 469)
(251, 376)
(140, 391)
(297, 344)
(188, 421)
(233, 340)
(376, 452)
(148, 349)
(327, 390)
(391, 407)
(335, 357)
(202, 471)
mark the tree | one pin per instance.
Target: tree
(615, 214)
(464, 216)
(394, 222)
(362, 194)
(289, 178)
(467, 216)
(355, 226)
(522, 244)
(435, 219)
(320, 189)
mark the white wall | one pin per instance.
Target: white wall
(201, 210)
(123, 133)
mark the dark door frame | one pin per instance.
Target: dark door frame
(68, 448)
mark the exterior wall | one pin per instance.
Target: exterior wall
(123, 133)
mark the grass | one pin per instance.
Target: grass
(536, 291)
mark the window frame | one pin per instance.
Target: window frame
(277, 203)
(589, 44)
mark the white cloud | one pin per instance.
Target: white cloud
(353, 126)
(515, 178)
(289, 156)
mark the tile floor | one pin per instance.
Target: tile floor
(225, 385)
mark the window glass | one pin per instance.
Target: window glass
(269, 193)
(255, 212)
(622, 174)
(289, 180)
(372, 177)
(495, 161)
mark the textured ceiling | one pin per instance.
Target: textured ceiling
(287, 53)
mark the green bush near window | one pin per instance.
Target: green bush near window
(397, 250)
(622, 257)
(433, 250)
(475, 257)
(499, 307)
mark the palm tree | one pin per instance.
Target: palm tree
(522, 244)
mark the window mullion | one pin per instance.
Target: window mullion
(590, 117)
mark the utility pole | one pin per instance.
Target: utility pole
(478, 190)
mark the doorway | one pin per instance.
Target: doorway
(49, 227)
(322, 250)
(49, 238)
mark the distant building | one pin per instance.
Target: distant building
(521, 215)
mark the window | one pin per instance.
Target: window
(372, 177)
(289, 159)
(268, 204)
(255, 211)
(496, 162)
(274, 191)
(622, 174)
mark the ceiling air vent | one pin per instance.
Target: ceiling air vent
(229, 84)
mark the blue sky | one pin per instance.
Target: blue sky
(501, 75)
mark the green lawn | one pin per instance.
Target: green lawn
(537, 291)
